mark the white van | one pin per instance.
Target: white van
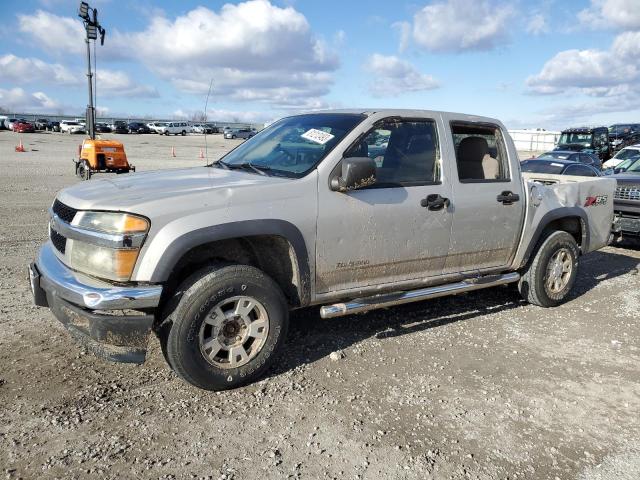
(174, 128)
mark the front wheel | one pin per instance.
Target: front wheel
(226, 327)
(183, 133)
(549, 277)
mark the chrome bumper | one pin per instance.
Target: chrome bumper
(87, 292)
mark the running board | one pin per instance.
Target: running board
(389, 300)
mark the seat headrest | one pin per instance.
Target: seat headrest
(472, 149)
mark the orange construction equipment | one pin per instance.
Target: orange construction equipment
(20, 147)
(101, 156)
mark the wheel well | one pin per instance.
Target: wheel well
(572, 225)
(273, 254)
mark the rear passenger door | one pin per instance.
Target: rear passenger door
(487, 192)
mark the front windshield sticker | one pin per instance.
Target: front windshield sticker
(317, 136)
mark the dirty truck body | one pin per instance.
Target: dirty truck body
(351, 210)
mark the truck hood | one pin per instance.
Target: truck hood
(134, 192)
(627, 178)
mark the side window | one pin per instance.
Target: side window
(481, 155)
(406, 152)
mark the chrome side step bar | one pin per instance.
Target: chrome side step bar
(388, 300)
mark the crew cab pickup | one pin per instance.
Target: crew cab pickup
(348, 210)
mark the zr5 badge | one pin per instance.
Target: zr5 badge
(595, 201)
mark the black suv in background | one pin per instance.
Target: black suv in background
(586, 139)
(120, 126)
(138, 127)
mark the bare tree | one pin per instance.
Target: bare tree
(197, 117)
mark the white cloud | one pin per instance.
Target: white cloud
(115, 83)
(461, 25)
(53, 32)
(18, 99)
(393, 76)
(624, 14)
(253, 51)
(593, 72)
(537, 24)
(17, 69)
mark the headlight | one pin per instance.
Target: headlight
(106, 244)
(111, 222)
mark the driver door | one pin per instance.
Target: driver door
(385, 233)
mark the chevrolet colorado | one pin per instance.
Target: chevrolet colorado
(352, 210)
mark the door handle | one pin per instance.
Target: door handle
(507, 197)
(434, 202)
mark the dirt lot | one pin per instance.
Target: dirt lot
(478, 386)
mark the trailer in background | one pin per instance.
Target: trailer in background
(532, 141)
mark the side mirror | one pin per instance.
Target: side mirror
(357, 172)
(608, 171)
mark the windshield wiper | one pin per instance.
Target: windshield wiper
(261, 169)
(221, 163)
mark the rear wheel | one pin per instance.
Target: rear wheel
(183, 133)
(548, 279)
(226, 327)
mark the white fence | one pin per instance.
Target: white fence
(534, 140)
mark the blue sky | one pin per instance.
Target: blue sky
(532, 64)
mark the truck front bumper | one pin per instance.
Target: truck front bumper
(88, 308)
(626, 224)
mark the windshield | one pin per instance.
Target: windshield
(573, 138)
(536, 166)
(620, 128)
(293, 146)
(627, 153)
(635, 167)
(555, 155)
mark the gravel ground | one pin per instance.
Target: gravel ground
(477, 386)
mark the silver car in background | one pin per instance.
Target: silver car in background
(240, 133)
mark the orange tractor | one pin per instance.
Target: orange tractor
(101, 156)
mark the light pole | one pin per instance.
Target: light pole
(92, 27)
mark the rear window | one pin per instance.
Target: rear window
(555, 155)
(537, 166)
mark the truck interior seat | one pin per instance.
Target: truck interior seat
(474, 160)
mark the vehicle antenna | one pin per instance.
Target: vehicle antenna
(206, 104)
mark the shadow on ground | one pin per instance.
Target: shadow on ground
(312, 338)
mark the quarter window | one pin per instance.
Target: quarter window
(481, 155)
(406, 152)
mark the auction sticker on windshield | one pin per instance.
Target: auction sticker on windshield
(317, 136)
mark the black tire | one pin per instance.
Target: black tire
(183, 133)
(534, 283)
(233, 136)
(184, 321)
(84, 170)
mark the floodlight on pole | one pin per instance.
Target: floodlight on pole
(83, 11)
(92, 27)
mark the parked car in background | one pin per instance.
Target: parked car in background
(570, 156)
(213, 128)
(626, 201)
(53, 126)
(240, 133)
(202, 128)
(153, 126)
(621, 155)
(10, 123)
(103, 128)
(175, 128)
(68, 126)
(41, 123)
(120, 126)
(138, 127)
(3, 122)
(586, 139)
(559, 167)
(23, 127)
(620, 131)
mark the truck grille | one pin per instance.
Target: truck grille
(58, 241)
(631, 192)
(63, 211)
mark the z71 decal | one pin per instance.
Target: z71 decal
(595, 201)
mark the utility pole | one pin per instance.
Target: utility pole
(92, 27)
